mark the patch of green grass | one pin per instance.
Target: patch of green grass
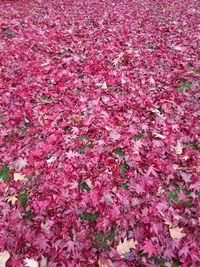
(4, 173)
(89, 216)
(78, 90)
(123, 167)
(23, 198)
(124, 186)
(101, 239)
(84, 148)
(45, 98)
(173, 197)
(85, 186)
(8, 137)
(81, 137)
(193, 146)
(138, 137)
(119, 151)
(184, 86)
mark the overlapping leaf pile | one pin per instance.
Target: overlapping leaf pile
(99, 124)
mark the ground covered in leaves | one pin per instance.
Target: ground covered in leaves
(99, 133)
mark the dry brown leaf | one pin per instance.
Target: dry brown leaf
(125, 247)
(102, 263)
(19, 176)
(177, 232)
(178, 148)
(11, 199)
(4, 257)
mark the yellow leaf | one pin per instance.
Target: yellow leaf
(31, 263)
(178, 148)
(125, 247)
(176, 232)
(4, 256)
(19, 176)
(12, 199)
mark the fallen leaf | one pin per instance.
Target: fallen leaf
(176, 232)
(51, 159)
(125, 247)
(158, 135)
(31, 263)
(115, 135)
(103, 263)
(19, 176)
(20, 164)
(178, 148)
(12, 199)
(4, 257)
(100, 263)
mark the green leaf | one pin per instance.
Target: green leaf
(78, 89)
(23, 198)
(4, 173)
(124, 186)
(138, 137)
(89, 216)
(119, 151)
(84, 185)
(193, 146)
(123, 167)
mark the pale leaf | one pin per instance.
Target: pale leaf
(158, 135)
(31, 263)
(125, 247)
(19, 176)
(178, 148)
(115, 135)
(20, 164)
(4, 257)
(51, 159)
(11, 199)
(176, 232)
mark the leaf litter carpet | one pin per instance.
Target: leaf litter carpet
(99, 133)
